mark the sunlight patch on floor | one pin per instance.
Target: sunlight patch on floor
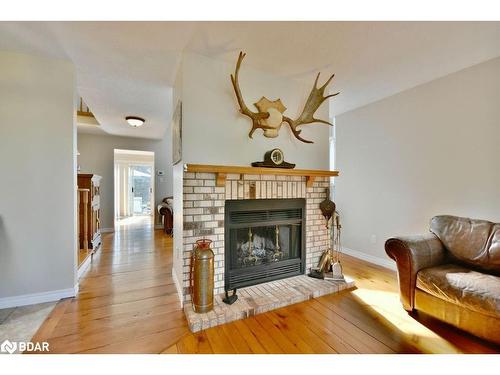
(387, 304)
(136, 221)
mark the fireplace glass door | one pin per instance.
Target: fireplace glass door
(264, 240)
(257, 245)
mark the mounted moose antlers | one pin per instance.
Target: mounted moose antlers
(270, 116)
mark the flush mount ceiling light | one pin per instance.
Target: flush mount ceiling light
(135, 121)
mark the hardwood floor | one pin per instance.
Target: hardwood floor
(128, 304)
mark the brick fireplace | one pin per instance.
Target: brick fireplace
(204, 199)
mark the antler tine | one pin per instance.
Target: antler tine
(256, 117)
(316, 80)
(322, 121)
(331, 96)
(327, 82)
(312, 104)
(296, 132)
(241, 56)
(234, 80)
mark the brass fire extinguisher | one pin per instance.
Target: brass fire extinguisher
(202, 277)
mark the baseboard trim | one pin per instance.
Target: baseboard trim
(31, 299)
(107, 230)
(386, 263)
(178, 287)
(83, 267)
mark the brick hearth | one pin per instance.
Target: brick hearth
(264, 297)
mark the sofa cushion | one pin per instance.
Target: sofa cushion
(472, 242)
(471, 289)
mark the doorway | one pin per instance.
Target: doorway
(134, 188)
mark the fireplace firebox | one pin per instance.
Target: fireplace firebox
(264, 240)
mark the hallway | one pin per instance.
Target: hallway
(127, 301)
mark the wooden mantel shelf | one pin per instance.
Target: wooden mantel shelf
(223, 170)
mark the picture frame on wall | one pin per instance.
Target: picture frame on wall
(177, 134)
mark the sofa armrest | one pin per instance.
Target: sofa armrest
(412, 254)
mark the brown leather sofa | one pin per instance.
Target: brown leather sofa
(452, 273)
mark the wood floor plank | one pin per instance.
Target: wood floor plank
(47, 328)
(115, 321)
(291, 335)
(357, 338)
(139, 285)
(245, 332)
(171, 350)
(195, 343)
(315, 341)
(264, 338)
(219, 342)
(366, 321)
(92, 339)
(335, 336)
(288, 346)
(126, 278)
(238, 343)
(154, 343)
(79, 316)
(90, 302)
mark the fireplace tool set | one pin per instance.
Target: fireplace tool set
(329, 267)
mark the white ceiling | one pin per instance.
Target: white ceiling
(128, 68)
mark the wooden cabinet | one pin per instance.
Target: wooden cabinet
(93, 183)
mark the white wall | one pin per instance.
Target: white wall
(37, 189)
(177, 177)
(434, 149)
(97, 156)
(214, 132)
